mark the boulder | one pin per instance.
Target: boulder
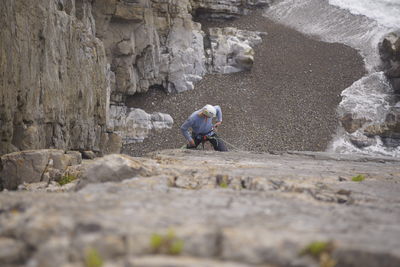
(231, 50)
(133, 124)
(388, 129)
(362, 141)
(88, 154)
(112, 168)
(350, 124)
(12, 251)
(391, 142)
(389, 50)
(6, 148)
(35, 166)
(112, 143)
(356, 110)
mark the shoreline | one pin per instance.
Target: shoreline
(287, 101)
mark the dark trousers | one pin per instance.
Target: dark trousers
(216, 142)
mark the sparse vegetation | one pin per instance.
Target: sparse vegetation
(166, 244)
(223, 185)
(222, 180)
(93, 258)
(315, 248)
(66, 179)
(321, 251)
(358, 178)
(156, 241)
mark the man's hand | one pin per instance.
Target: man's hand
(218, 123)
(190, 144)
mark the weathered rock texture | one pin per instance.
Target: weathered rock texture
(134, 124)
(157, 43)
(54, 91)
(213, 209)
(389, 130)
(377, 115)
(231, 50)
(150, 42)
(35, 166)
(389, 49)
(225, 9)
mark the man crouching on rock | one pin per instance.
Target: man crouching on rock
(202, 128)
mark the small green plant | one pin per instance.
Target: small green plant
(223, 185)
(358, 178)
(166, 244)
(92, 258)
(222, 180)
(316, 248)
(66, 179)
(321, 251)
(156, 241)
(176, 247)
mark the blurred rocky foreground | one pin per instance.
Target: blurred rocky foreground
(200, 208)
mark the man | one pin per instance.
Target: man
(202, 128)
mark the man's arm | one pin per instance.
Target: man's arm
(185, 131)
(219, 116)
(219, 113)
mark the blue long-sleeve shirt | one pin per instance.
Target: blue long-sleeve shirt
(199, 124)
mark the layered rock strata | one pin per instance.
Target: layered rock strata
(54, 90)
(157, 43)
(134, 124)
(150, 43)
(193, 208)
(225, 9)
(35, 166)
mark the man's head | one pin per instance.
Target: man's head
(209, 111)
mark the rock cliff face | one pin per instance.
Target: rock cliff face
(194, 208)
(157, 43)
(150, 43)
(64, 62)
(225, 9)
(54, 90)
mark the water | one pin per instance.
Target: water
(360, 24)
(332, 24)
(384, 12)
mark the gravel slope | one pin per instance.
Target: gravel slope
(286, 102)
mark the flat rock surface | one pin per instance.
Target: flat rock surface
(219, 209)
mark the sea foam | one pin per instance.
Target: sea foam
(385, 12)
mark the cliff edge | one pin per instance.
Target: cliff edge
(203, 208)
